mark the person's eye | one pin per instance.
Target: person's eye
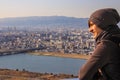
(90, 25)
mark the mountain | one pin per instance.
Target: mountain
(36, 22)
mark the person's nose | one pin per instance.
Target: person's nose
(90, 29)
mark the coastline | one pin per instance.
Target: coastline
(60, 54)
(43, 53)
(7, 74)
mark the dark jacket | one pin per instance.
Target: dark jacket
(105, 57)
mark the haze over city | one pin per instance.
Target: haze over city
(71, 8)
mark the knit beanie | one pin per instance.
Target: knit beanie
(103, 18)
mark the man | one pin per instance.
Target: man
(104, 63)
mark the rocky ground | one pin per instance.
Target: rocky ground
(7, 74)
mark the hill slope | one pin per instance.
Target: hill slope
(43, 22)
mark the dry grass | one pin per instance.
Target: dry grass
(6, 74)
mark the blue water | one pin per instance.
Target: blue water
(41, 63)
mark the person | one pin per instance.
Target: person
(104, 63)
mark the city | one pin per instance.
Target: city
(57, 40)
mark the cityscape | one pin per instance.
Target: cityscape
(53, 35)
(71, 40)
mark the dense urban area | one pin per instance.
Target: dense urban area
(57, 40)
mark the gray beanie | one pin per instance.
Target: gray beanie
(105, 17)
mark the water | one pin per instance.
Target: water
(41, 63)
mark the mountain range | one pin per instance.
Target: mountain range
(40, 22)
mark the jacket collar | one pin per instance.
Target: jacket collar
(108, 33)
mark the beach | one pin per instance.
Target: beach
(60, 54)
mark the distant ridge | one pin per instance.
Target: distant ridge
(43, 22)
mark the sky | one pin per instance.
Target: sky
(70, 8)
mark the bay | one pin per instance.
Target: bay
(41, 64)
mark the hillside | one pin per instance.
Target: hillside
(7, 74)
(40, 22)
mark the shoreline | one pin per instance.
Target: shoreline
(60, 54)
(8, 74)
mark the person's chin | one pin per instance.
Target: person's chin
(94, 37)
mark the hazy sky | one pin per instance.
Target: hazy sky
(72, 8)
